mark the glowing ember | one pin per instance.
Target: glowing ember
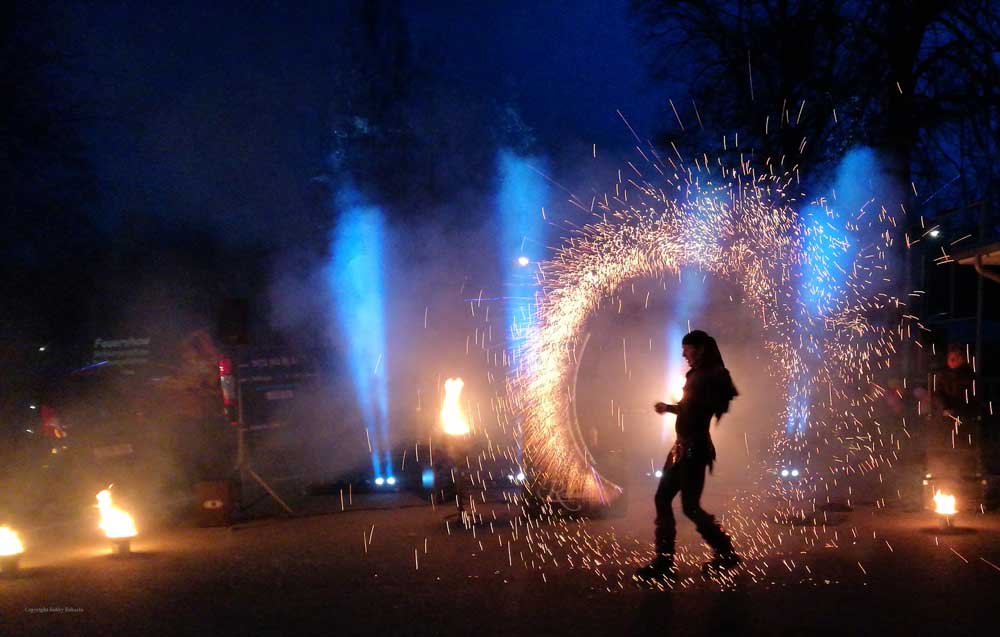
(114, 522)
(452, 420)
(10, 544)
(944, 504)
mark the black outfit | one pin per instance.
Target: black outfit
(707, 392)
(954, 388)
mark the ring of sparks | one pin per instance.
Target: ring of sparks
(730, 223)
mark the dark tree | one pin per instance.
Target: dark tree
(900, 76)
(408, 137)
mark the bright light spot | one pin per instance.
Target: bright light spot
(676, 390)
(32, 407)
(390, 481)
(41, 349)
(795, 473)
(523, 261)
(784, 473)
(114, 522)
(658, 473)
(10, 544)
(427, 478)
(944, 504)
(379, 481)
(934, 233)
(452, 420)
(357, 272)
(520, 476)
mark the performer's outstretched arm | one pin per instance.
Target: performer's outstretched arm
(664, 408)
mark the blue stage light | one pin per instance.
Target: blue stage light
(522, 194)
(356, 282)
(390, 481)
(689, 303)
(427, 478)
(795, 473)
(784, 473)
(831, 249)
(379, 481)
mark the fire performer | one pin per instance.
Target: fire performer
(708, 391)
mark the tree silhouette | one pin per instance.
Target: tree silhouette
(814, 79)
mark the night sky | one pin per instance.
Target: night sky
(207, 129)
(218, 114)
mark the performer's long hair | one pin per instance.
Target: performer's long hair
(711, 361)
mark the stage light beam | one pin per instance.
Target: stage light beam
(356, 282)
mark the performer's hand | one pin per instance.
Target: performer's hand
(661, 408)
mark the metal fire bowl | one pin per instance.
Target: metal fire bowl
(121, 546)
(9, 565)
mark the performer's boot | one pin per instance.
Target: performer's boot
(723, 561)
(661, 568)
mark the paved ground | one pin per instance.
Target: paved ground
(356, 572)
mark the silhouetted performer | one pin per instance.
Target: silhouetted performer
(956, 386)
(707, 392)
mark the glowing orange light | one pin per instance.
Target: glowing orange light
(10, 544)
(944, 504)
(676, 389)
(452, 419)
(115, 522)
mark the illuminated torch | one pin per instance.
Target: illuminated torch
(944, 505)
(452, 420)
(10, 551)
(118, 526)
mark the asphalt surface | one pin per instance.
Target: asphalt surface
(389, 564)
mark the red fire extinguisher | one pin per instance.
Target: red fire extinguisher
(228, 382)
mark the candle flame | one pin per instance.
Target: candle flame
(115, 522)
(452, 420)
(10, 544)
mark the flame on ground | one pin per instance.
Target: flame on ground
(10, 544)
(944, 504)
(452, 420)
(115, 522)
